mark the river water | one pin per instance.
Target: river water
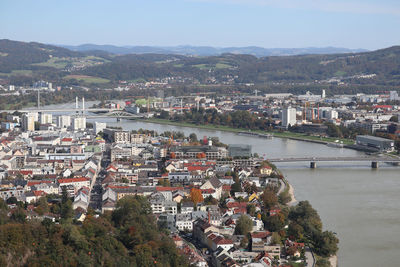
(360, 204)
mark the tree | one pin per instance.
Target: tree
(251, 209)
(275, 239)
(12, 200)
(295, 231)
(325, 244)
(196, 196)
(66, 205)
(164, 115)
(19, 215)
(244, 243)
(284, 197)
(193, 137)
(244, 225)
(306, 216)
(42, 206)
(333, 130)
(210, 200)
(394, 118)
(274, 223)
(269, 198)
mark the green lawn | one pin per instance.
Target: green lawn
(87, 79)
(54, 62)
(340, 73)
(60, 63)
(201, 66)
(222, 66)
(138, 80)
(18, 72)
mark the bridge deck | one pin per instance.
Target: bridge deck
(335, 159)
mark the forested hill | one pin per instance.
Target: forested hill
(21, 63)
(129, 236)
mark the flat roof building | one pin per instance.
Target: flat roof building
(239, 151)
(381, 144)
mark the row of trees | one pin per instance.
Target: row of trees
(236, 119)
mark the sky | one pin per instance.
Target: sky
(368, 24)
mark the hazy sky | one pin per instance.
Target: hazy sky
(369, 24)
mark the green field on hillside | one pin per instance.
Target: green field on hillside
(87, 79)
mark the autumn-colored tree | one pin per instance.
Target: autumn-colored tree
(196, 196)
(269, 198)
(172, 155)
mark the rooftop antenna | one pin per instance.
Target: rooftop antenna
(76, 105)
(83, 105)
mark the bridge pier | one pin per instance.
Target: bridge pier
(313, 165)
(374, 165)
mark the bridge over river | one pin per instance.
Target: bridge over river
(313, 160)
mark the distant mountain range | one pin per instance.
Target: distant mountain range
(211, 51)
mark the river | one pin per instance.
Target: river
(358, 203)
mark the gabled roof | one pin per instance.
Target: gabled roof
(215, 182)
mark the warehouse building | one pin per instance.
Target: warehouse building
(381, 144)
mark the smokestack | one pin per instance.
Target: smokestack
(83, 104)
(38, 98)
(76, 102)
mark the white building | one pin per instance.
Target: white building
(79, 123)
(288, 117)
(333, 114)
(46, 118)
(99, 126)
(63, 121)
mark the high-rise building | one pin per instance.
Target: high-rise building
(323, 95)
(288, 117)
(46, 118)
(79, 123)
(28, 122)
(63, 121)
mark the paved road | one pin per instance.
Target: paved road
(309, 258)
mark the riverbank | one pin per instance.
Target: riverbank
(333, 261)
(293, 200)
(288, 135)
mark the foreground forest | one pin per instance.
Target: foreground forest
(129, 236)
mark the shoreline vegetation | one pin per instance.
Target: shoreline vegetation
(333, 260)
(288, 135)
